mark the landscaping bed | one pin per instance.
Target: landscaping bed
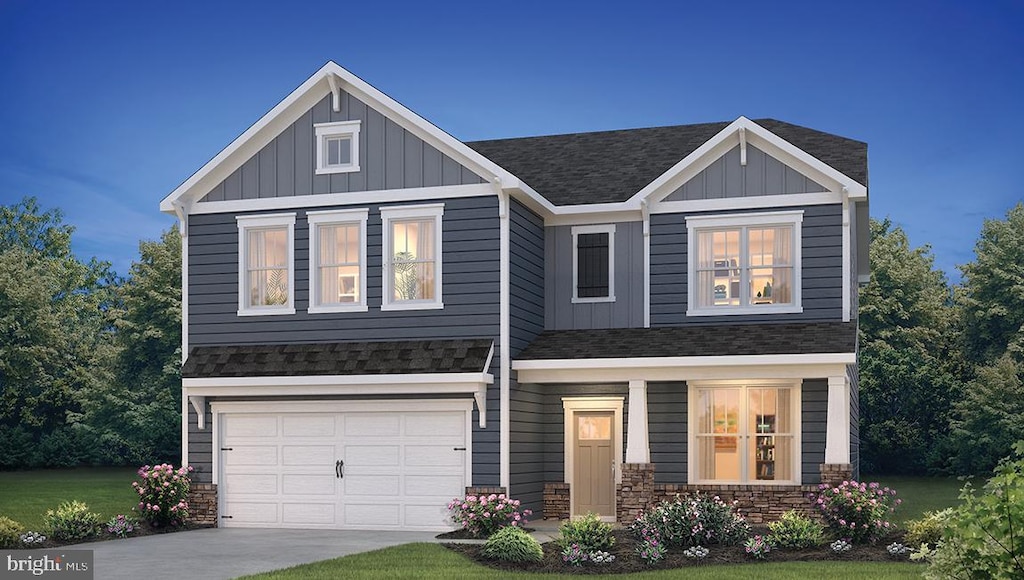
(626, 561)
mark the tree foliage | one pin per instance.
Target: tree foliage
(908, 373)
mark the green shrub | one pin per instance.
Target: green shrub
(927, 530)
(10, 533)
(72, 521)
(696, 520)
(513, 544)
(587, 532)
(796, 531)
(855, 510)
(163, 494)
(984, 536)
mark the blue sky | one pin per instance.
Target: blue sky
(105, 107)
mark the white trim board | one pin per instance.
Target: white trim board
(344, 199)
(679, 373)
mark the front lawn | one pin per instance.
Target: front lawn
(436, 561)
(922, 494)
(26, 495)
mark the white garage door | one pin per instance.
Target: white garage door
(355, 469)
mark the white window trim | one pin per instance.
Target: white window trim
(570, 405)
(693, 461)
(598, 229)
(325, 131)
(246, 223)
(694, 224)
(389, 214)
(330, 218)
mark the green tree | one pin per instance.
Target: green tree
(908, 372)
(137, 416)
(990, 416)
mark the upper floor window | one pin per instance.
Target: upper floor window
(266, 268)
(412, 257)
(337, 261)
(744, 263)
(337, 147)
(593, 263)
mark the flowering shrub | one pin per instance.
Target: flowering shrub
(485, 514)
(589, 532)
(512, 544)
(758, 547)
(162, 493)
(856, 510)
(695, 520)
(574, 555)
(793, 530)
(121, 526)
(72, 521)
(600, 557)
(696, 553)
(896, 549)
(840, 546)
(650, 548)
(31, 539)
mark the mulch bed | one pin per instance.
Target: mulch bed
(627, 562)
(142, 529)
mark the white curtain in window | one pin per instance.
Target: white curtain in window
(414, 262)
(267, 267)
(782, 259)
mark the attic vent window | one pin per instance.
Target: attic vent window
(337, 147)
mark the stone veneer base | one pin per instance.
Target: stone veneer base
(202, 504)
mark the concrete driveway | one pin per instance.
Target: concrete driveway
(232, 552)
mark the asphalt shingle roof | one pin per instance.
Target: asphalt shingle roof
(694, 340)
(611, 166)
(338, 358)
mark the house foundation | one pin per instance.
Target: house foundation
(556, 501)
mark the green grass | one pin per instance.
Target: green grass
(922, 494)
(435, 561)
(26, 495)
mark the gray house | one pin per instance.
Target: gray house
(379, 317)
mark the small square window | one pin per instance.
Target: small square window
(337, 147)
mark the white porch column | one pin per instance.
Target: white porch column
(837, 435)
(638, 449)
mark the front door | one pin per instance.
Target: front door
(594, 478)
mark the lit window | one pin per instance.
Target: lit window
(412, 257)
(337, 264)
(593, 263)
(745, 434)
(266, 275)
(337, 147)
(744, 264)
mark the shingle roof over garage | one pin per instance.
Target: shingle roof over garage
(611, 166)
(694, 340)
(338, 358)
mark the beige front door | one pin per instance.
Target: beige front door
(594, 463)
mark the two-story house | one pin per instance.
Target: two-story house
(379, 317)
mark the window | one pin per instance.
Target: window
(744, 264)
(337, 261)
(337, 147)
(745, 434)
(593, 263)
(266, 272)
(412, 257)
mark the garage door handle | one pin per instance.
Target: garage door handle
(337, 469)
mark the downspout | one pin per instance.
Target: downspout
(505, 363)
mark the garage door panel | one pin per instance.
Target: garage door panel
(415, 485)
(248, 512)
(251, 455)
(311, 426)
(299, 514)
(250, 425)
(304, 484)
(311, 455)
(372, 515)
(427, 516)
(372, 456)
(373, 425)
(252, 484)
(433, 455)
(372, 485)
(435, 425)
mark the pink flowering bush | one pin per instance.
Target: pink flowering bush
(857, 511)
(694, 520)
(482, 515)
(162, 493)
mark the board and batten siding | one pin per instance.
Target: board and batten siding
(627, 311)
(526, 276)
(389, 158)
(813, 411)
(667, 430)
(470, 280)
(821, 278)
(762, 175)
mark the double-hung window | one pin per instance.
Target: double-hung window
(337, 147)
(593, 263)
(744, 263)
(412, 257)
(337, 261)
(744, 433)
(266, 265)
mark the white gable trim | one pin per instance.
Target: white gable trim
(330, 78)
